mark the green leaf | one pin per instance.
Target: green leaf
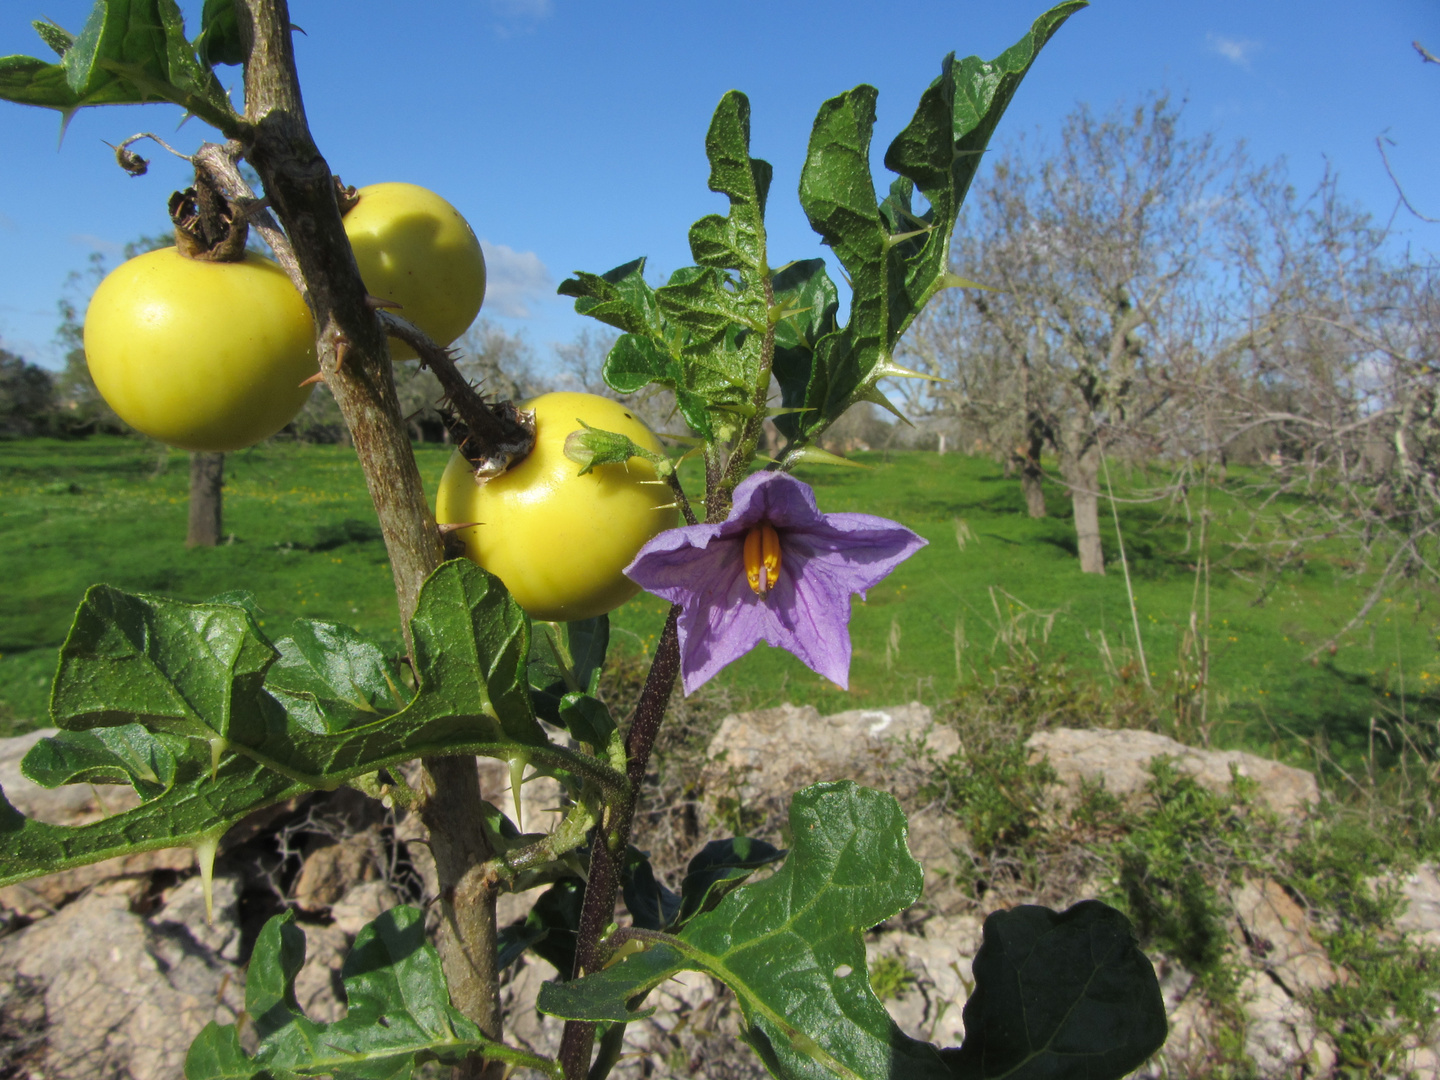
(128, 754)
(721, 867)
(58, 38)
(807, 303)
(197, 671)
(568, 656)
(1060, 995)
(219, 39)
(1056, 996)
(587, 718)
(792, 946)
(399, 1012)
(216, 1055)
(737, 241)
(129, 52)
(652, 906)
(199, 808)
(620, 298)
(895, 258)
(200, 670)
(329, 677)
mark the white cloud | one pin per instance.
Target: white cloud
(1237, 50)
(514, 280)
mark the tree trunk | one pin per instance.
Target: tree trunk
(1030, 479)
(1082, 473)
(207, 477)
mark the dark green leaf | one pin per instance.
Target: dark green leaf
(895, 258)
(219, 41)
(721, 867)
(128, 754)
(198, 809)
(940, 151)
(216, 1055)
(550, 928)
(399, 1013)
(809, 303)
(589, 640)
(587, 719)
(1067, 995)
(329, 678)
(566, 659)
(651, 905)
(792, 946)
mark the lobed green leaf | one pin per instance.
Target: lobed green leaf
(894, 256)
(128, 52)
(1057, 996)
(399, 1013)
(195, 677)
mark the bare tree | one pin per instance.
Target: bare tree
(1093, 257)
(1333, 376)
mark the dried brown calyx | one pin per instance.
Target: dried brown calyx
(207, 227)
(346, 195)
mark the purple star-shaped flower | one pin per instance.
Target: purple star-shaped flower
(776, 570)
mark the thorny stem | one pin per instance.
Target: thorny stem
(354, 360)
(492, 437)
(607, 851)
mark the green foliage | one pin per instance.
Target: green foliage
(399, 1013)
(995, 791)
(128, 52)
(198, 679)
(1345, 869)
(889, 977)
(716, 329)
(791, 948)
(1172, 860)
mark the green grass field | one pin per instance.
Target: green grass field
(303, 540)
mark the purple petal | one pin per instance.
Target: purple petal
(825, 558)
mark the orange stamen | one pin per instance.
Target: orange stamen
(762, 558)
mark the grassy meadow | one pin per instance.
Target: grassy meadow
(302, 538)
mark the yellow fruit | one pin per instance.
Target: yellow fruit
(558, 540)
(414, 248)
(205, 356)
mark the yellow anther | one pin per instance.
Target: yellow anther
(762, 558)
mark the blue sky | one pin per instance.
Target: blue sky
(571, 134)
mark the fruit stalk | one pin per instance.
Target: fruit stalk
(354, 360)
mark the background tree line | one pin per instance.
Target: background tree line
(1156, 297)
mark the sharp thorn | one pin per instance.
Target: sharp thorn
(455, 526)
(378, 302)
(319, 376)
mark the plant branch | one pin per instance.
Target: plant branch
(354, 359)
(492, 437)
(607, 850)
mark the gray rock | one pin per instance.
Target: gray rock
(1421, 917)
(1121, 760)
(1277, 934)
(780, 750)
(124, 997)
